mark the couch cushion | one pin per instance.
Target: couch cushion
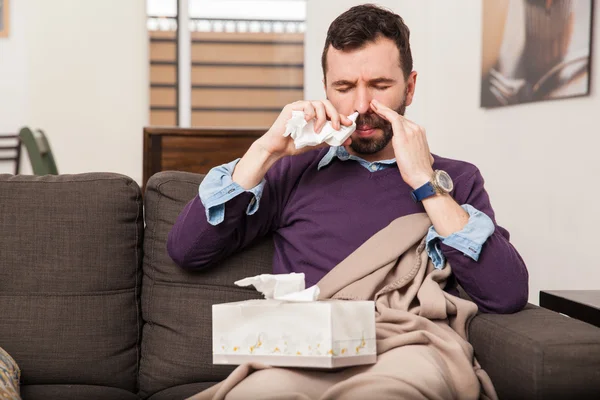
(75, 392)
(70, 270)
(182, 392)
(176, 304)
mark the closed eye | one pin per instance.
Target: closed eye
(382, 87)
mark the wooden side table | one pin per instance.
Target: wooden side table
(583, 305)
(193, 149)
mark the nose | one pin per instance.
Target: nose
(362, 101)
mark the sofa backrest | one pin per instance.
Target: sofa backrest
(176, 304)
(70, 273)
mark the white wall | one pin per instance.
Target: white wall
(538, 159)
(84, 80)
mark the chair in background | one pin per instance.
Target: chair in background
(10, 150)
(39, 151)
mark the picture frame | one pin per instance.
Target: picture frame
(535, 50)
(4, 18)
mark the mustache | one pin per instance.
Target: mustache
(372, 120)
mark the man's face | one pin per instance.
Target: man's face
(356, 77)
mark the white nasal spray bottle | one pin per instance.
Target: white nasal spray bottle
(303, 133)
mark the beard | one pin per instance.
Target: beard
(375, 143)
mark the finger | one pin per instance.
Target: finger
(383, 110)
(333, 115)
(309, 111)
(387, 113)
(306, 107)
(321, 115)
(345, 120)
(410, 123)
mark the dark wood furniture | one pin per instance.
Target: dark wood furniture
(583, 305)
(193, 149)
(10, 150)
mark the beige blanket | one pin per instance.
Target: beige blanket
(422, 345)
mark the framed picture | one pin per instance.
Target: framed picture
(4, 14)
(535, 50)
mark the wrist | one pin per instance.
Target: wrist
(420, 179)
(265, 151)
(439, 183)
(437, 198)
(263, 155)
(253, 166)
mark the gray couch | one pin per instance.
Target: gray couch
(92, 307)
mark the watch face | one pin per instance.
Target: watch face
(444, 181)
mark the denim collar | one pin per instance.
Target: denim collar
(342, 154)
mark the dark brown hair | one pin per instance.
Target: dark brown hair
(364, 24)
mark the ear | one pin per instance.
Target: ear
(411, 84)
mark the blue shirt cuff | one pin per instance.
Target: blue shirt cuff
(218, 187)
(469, 240)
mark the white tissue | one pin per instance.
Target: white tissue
(304, 133)
(288, 287)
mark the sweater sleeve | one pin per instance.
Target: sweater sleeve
(196, 243)
(498, 282)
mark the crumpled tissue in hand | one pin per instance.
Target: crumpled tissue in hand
(304, 133)
(289, 287)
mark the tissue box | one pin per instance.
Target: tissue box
(316, 334)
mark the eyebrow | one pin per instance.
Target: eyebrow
(375, 81)
(382, 80)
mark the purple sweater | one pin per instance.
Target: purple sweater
(318, 218)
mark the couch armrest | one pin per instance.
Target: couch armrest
(538, 354)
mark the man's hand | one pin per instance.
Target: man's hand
(272, 146)
(410, 147)
(274, 143)
(415, 161)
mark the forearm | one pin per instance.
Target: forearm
(253, 166)
(225, 216)
(498, 282)
(489, 270)
(446, 215)
(194, 243)
(483, 260)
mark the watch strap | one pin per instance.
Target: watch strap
(423, 192)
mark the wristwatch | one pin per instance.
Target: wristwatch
(440, 183)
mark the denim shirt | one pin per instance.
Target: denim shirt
(218, 187)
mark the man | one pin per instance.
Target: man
(322, 203)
